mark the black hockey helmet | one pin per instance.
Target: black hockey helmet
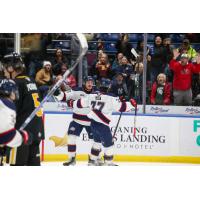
(15, 60)
(88, 78)
(7, 86)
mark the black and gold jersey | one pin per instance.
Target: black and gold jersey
(28, 100)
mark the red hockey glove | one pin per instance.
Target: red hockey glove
(133, 102)
(122, 99)
(27, 137)
(70, 103)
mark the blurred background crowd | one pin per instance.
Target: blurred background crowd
(48, 56)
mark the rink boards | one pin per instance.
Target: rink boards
(159, 138)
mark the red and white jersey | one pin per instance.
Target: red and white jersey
(9, 136)
(101, 106)
(79, 114)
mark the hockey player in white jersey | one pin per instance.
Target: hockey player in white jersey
(80, 119)
(9, 136)
(101, 106)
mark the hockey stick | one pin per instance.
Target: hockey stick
(134, 133)
(117, 125)
(84, 48)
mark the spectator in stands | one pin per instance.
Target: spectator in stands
(103, 67)
(1, 71)
(34, 64)
(100, 45)
(123, 46)
(158, 59)
(44, 78)
(93, 71)
(168, 49)
(186, 48)
(70, 80)
(182, 80)
(161, 91)
(126, 68)
(99, 54)
(135, 83)
(59, 59)
(192, 37)
(139, 50)
(195, 85)
(169, 56)
(119, 87)
(117, 62)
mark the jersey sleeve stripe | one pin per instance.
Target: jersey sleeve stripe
(123, 107)
(102, 116)
(7, 136)
(79, 104)
(81, 117)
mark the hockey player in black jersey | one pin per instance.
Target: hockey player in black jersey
(27, 102)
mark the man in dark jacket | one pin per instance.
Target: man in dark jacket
(158, 59)
(119, 87)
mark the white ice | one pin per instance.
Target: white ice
(82, 163)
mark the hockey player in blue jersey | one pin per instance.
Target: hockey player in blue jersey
(101, 106)
(9, 136)
(80, 119)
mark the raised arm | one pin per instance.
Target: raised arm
(174, 65)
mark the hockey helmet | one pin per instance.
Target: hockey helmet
(88, 78)
(15, 60)
(7, 86)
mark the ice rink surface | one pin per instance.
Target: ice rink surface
(82, 163)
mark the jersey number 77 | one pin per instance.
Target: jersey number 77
(97, 105)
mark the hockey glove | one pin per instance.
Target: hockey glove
(133, 102)
(122, 99)
(27, 137)
(57, 92)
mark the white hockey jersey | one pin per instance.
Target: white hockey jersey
(9, 136)
(101, 106)
(79, 114)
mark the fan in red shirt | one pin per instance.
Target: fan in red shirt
(161, 91)
(182, 80)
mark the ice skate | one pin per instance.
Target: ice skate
(70, 162)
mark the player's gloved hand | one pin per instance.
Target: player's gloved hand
(27, 137)
(133, 102)
(122, 99)
(70, 103)
(57, 92)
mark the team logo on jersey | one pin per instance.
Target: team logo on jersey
(98, 97)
